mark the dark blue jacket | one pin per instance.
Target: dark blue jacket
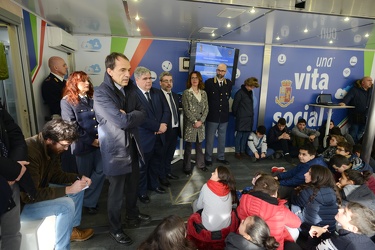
(52, 90)
(157, 114)
(116, 129)
(295, 176)
(321, 210)
(84, 115)
(218, 100)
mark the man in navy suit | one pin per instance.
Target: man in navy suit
(151, 132)
(173, 131)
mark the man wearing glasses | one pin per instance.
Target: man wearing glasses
(218, 92)
(58, 193)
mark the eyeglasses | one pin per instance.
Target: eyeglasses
(65, 146)
(167, 81)
(194, 78)
(221, 70)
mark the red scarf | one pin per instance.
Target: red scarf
(218, 188)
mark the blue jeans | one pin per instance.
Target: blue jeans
(241, 141)
(357, 131)
(90, 165)
(211, 128)
(269, 152)
(68, 211)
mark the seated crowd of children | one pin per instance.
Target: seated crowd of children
(327, 201)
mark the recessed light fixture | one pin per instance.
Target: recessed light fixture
(305, 30)
(277, 38)
(229, 25)
(137, 17)
(367, 35)
(252, 10)
(346, 19)
(138, 29)
(213, 34)
(330, 41)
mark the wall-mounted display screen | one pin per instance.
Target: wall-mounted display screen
(205, 58)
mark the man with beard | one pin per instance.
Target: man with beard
(218, 92)
(64, 199)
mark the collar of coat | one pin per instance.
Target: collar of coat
(216, 80)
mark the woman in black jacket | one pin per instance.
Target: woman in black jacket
(243, 111)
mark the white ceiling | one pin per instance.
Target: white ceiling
(182, 20)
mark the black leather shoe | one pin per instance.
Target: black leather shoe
(208, 163)
(187, 172)
(144, 217)
(225, 162)
(204, 169)
(144, 199)
(122, 238)
(165, 182)
(92, 210)
(160, 190)
(172, 177)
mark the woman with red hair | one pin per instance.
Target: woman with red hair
(77, 105)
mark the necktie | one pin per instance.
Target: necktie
(84, 100)
(3, 149)
(174, 110)
(148, 97)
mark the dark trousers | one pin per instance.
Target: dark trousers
(199, 157)
(121, 186)
(286, 146)
(150, 170)
(170, 147)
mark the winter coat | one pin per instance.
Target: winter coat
(346, 240)
(321, 210)
(243, 109)
(117, 130)
(274, 133)
(194, 110)
(238, 242)
(358, 193)
(360, 99)
(272, 211)
(84, 115)
(295, 176)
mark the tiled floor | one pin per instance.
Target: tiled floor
(176, 201)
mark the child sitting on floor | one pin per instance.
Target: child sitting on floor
(358, 225)
(352, 185)
(295, 177)
(257, 145)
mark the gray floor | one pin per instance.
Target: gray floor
(177, 201)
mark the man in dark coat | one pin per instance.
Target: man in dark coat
(119, 113)
(358, 96)
(152, 132)
(13, 156)
(218, 91)
(53, 85)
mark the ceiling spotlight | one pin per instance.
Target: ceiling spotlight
(367, 35)
(330, 41)
(228, 25)
(252, 10)
(305, 30)
(346, 19)
(137, 17)
(277, 38)
(138, 29)
(212, 34)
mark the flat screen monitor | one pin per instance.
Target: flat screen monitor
(205, 58)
